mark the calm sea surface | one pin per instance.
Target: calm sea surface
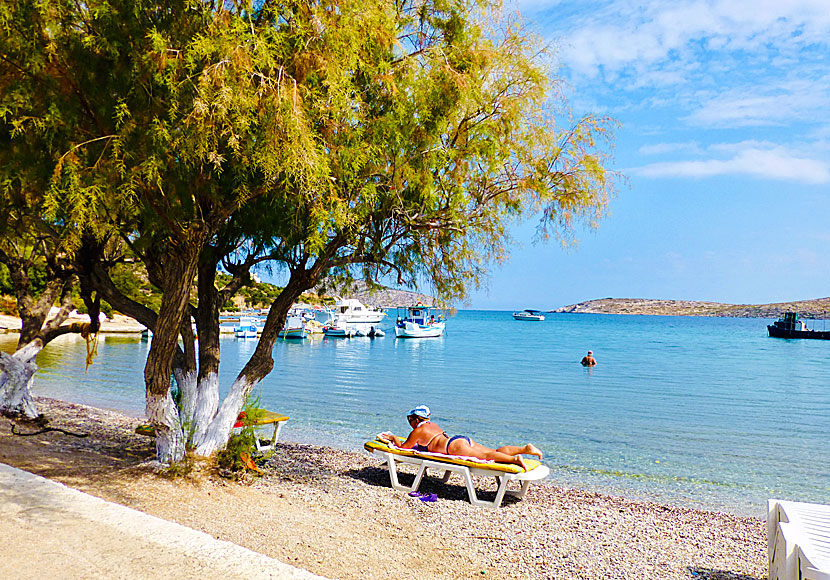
(701, 412)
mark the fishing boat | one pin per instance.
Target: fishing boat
(295, 327)
(791, 326)
(529, 314)
(338, 330)
(419, 322)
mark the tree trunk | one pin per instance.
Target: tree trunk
(17, 371)
(215, 435)
(163, 414)
(207, 322)
(186, 381)
(218, 430)
(179, 272)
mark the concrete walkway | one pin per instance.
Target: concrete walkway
(48, 530)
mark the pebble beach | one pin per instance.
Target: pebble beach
(333, 512)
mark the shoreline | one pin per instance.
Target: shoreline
(332, 512)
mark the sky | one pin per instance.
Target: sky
(725, 143)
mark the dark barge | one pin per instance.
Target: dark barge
(790, 326)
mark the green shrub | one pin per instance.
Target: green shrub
(230, 461)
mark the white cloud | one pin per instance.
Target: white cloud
(749, 159)
(663, 148)
(638, 35)
(771, 105)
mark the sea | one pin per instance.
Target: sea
(708, 413)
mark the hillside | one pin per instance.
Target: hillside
(817, 308)
(383, 297)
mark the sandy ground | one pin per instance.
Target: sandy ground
(117, 324)
(333, 513)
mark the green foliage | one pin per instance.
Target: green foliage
(5, 282)
(397, 139)
(131, 280)
(230, 461)
(256, 294)
(442, 125)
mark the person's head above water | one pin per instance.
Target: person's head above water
(590, 352)
(421, 411)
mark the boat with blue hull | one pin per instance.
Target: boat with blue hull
(791, 326)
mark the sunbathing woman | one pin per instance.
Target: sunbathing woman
(427, 436)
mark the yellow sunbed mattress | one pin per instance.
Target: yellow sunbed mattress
(454, 459)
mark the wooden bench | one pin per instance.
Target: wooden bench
(798, 540)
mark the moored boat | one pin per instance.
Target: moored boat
(338, 330)
(247, 328)
(369, 331)
(352, 310)
(295, 327)
(529, 314)
(791, 326)
(419, 322)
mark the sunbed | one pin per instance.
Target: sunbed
(464, 466)
(798, 537)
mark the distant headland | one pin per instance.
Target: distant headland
(817, 308)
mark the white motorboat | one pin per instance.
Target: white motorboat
(352, 310)
(247, 328)
(529, 314)
(419, 322)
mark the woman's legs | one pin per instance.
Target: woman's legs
(507, 454)
(529, 449)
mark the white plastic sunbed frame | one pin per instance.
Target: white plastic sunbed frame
(798, 536)
(465, 471)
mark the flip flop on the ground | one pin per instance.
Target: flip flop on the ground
(427, 497)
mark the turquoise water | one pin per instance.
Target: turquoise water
(701, 412)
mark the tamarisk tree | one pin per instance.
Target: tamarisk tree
(363, 139)
(40, 120)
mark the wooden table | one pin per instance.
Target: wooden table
(269, 418)
(262, 445)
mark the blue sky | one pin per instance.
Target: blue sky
(725, 140)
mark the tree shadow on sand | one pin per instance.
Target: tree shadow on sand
(454, 489)
(698, 573)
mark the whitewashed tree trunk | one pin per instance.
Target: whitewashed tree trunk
(219, 429)
(186, 381)
(162, 413)
(206, 405)
(17, 373)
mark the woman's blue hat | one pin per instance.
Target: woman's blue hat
(420, 411)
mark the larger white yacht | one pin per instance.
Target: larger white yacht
(350, 310)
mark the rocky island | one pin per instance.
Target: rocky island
(814, 309)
